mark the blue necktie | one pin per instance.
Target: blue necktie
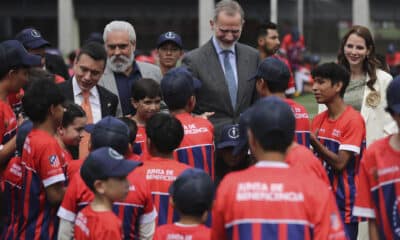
(230, 78)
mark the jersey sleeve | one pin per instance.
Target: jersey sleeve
(363, 206)
(150, 212)
(328, 223)
(353, 136)
(218, 223)
(68, 208)
(50, 166)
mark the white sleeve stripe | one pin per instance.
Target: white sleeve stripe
(148, 217)
(364, 212)
(66, 214)
(54, 179)
(350, 148)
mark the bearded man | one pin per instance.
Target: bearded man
(122, 70)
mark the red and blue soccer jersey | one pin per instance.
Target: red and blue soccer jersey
(159, 174)
(42, 166)
(136, 209)
(12, 182)
(8, 123)
(274, 201)
(197, 146)
(181, 231)
(140, 146)
(378, 195)
(15, 101)
(92, 225)
(345, 133)
(302, 131)
(298, 156)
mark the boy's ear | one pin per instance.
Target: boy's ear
(171, 201)
(60, 131)
(134, 103)
(338, 87)
(98, 185)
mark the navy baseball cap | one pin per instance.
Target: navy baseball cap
(109, 131)
(31, 39)
(170, 37)
(229, 136)
(272, 69)
(192, 191)
(23, 130)
(243, 125)
(13, 54)
(271, 115)
(178, 84)
(104, 163)
(393, 96)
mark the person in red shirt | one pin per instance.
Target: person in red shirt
(146, 99)
(136, 212)
(178, 88)
(70, 133)
(271, 80)
(271, 200)
(268, 45)
(43, 176)
(338, 139)
(105, 172)
(164, 134)
(378, 196)
(15, 63)
(12, 182)
(192, 194)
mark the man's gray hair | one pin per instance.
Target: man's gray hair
(230, 7)
(120, 26)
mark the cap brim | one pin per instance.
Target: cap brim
(89, 128)
(241, 146)
(227, 144)
(171, 41)
(32, 60)
(124, 168)
(39, 43)
(254, 77)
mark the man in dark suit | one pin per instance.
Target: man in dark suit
(82, 89)
(224, 66)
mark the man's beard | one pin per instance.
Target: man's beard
(121, 63)
(270, 52)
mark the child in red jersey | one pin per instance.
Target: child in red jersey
(105, 172)
(271, 80)
(178, 87)
(378, 193)
(271, 200)
(229, 139)
(70, 133)
(12, 180)
(338, 138)
(146, 99)
(164, 134)
(192, 195)
(15, 62)
(43, 165)
(133, 129)
(136, 212)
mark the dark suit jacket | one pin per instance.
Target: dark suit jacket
(108, 103)
(108, 100)
(213, 96)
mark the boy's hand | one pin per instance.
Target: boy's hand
(206, 115)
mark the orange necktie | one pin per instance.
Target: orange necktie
(83, 146)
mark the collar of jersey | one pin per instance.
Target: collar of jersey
(271, 164)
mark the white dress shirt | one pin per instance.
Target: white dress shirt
(94, 99)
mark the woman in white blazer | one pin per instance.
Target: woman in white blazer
(367, 88)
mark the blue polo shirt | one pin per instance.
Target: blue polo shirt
(124, 86)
